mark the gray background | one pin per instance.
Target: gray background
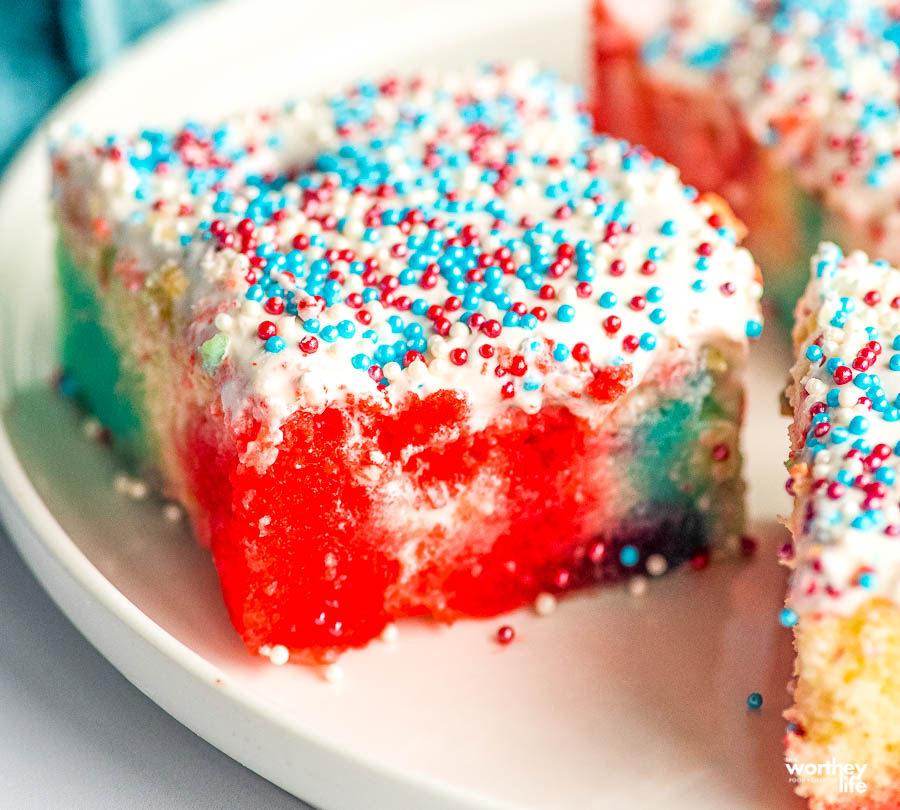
(75, 734)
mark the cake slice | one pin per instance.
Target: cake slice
(426, 347)
(788, 109)
(846, 535)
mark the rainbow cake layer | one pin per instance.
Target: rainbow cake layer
(845, 584)
(789, 109)
(427, 347)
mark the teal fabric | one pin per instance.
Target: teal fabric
(46, 45)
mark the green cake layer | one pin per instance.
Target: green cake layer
(105, 386)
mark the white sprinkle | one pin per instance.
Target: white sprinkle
(656, 565)
(279, 655)
(637, 586)
(333, 673)
(545, 604)
(389, 633)
(137, 489)
(172, 512)
(91, 429)
(122, 483)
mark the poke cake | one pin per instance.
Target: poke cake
(786, 108)
(427, 347)
(843, 598)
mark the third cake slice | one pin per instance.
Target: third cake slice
(845, 584)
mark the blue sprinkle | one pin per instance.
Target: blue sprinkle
(560, 352)
(754, 700)
(859, 425)
(608, 300)
(839, 435)
(868, 580)
(629, 556)
(813, 354)
(648, 342)
(787, 617)
(275, 344)
(754, 329)
(566, 313)
(668, 228)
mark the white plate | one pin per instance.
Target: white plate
(614, 701)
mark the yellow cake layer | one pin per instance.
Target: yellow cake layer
(847, 705)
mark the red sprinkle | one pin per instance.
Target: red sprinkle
(459, 356)
(505, 634)
(266, 330)
(310, 345)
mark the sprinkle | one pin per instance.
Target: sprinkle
(656, 565)
(637, 585)
(545, 604)
(213, 351)
(505, 634)
(787, 617)
(754, 700)
(172, 512)
(279, 655)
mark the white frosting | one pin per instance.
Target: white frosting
(705, 299)
(846, 521)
